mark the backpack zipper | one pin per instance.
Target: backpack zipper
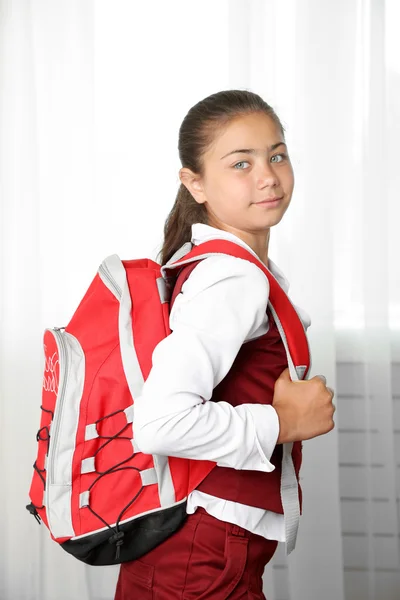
(103, 269)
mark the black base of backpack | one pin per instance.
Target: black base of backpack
(131, 541)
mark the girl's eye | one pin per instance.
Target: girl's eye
(240, 163)
(281, 154)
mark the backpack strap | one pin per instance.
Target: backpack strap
(288, 321)
(298, 353)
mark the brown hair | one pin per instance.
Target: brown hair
(196, 134)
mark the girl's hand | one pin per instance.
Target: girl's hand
(305, 408)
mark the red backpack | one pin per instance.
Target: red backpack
(102, 499)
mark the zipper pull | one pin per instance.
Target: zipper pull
(32, 509)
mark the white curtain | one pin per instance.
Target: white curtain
(91, 98)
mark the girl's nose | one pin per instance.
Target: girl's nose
(267, 175)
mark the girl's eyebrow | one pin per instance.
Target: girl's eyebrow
(252, 150)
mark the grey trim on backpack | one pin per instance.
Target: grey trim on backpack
(110, 273)
(148, 476)
(135, 447)
(166, 488)
(84, 500)
(129, 412)
(163, 290)
(107, 279)
(91, 432)
(87, 465)
(301, 370)
(181, 252)
(64, 428)
(177, 265)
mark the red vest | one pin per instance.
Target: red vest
(251, 380)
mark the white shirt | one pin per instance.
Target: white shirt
(222, 305)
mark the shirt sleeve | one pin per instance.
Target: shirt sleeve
(221, 304)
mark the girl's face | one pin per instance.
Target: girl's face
(247, 163)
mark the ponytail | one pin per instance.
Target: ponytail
(178, 226)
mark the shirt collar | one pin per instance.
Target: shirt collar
(203, 233)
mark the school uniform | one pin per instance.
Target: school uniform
(224, 347)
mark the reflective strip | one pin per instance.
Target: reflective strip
(44, 498)
(45, 461)
(91, 432)
(163, 290)
(149, 476)
(129, 414)
(88, 465)
(84, 499)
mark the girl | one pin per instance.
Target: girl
(236, 183)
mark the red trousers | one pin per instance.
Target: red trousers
(206, 559)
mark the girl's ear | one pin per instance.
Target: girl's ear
(193, 184)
